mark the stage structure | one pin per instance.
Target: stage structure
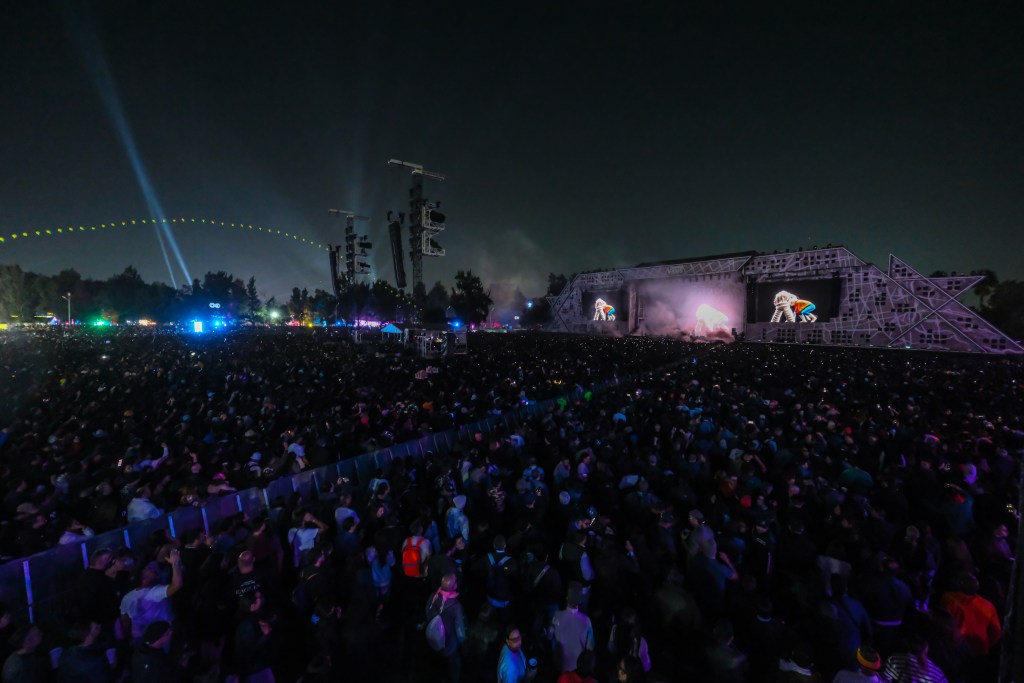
(353, 264)
(425, 222)
(824, 296)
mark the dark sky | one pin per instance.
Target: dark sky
(574, 135)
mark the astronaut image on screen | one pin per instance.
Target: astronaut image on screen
(784, 307)
(709, 321)
(603, 310)
(792, 308)
(804, 311)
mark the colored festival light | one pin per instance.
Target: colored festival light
(14, 235)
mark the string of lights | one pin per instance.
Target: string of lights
(76, 230)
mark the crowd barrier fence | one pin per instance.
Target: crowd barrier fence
(1011, 661)
(40, 589)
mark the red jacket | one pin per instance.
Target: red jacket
(979, 623)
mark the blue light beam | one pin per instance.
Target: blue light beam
(86, 39)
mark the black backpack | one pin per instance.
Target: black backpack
(499, 577)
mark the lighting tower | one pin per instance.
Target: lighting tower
(353, 266)
(425, 221)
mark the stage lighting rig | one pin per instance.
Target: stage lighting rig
(425, 222)
(353, 265)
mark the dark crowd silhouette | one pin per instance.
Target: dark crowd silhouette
(674, 512)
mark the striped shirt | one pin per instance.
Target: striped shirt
(904, 668)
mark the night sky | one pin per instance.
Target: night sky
(574, 135)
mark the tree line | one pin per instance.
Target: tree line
(1001, 302)
(33, 297)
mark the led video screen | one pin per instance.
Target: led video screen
(710, 309)
(796, 301)
(606, 306)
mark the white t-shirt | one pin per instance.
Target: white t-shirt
(304, 539)
(146, 605)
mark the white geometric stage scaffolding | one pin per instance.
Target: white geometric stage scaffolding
(900, 308)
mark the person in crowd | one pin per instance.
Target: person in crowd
(151, 600)
(152, 661)
(87, 660)
(511, 661)
(794, 472)
(444, 604)
(255, 643)
(571, 631)
(868, 665)
(976, 616)
(626, 639)
(28, 663)
(913, 666)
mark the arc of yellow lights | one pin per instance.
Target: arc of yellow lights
(44, 232)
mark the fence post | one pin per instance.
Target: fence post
(1011, 665)
(28, 592)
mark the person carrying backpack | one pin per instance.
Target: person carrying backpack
(416, 552)
(500, 570)
(445, 627)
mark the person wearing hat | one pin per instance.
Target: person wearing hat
(571, 630)
(151, 601)
(868, 662)
(254, 468)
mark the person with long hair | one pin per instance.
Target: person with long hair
(627, 640)
(629, 670)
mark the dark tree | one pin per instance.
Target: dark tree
(987, 286)
(299, 306)
(253, 307)
(437, 303)
(471, 303)
(556, 283)
(1005, 308)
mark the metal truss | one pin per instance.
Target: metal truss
(898, 308)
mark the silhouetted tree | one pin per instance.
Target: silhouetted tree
(298, 305)
(437, 303)
(1005, 308)
(987, 286)
(253, 307)
(556, 283)
(470, 301)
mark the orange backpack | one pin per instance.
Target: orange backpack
(412, 558)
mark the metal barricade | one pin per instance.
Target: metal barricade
(40, 589)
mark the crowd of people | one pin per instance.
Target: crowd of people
(756, 512)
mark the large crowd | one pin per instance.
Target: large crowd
(754, 512)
